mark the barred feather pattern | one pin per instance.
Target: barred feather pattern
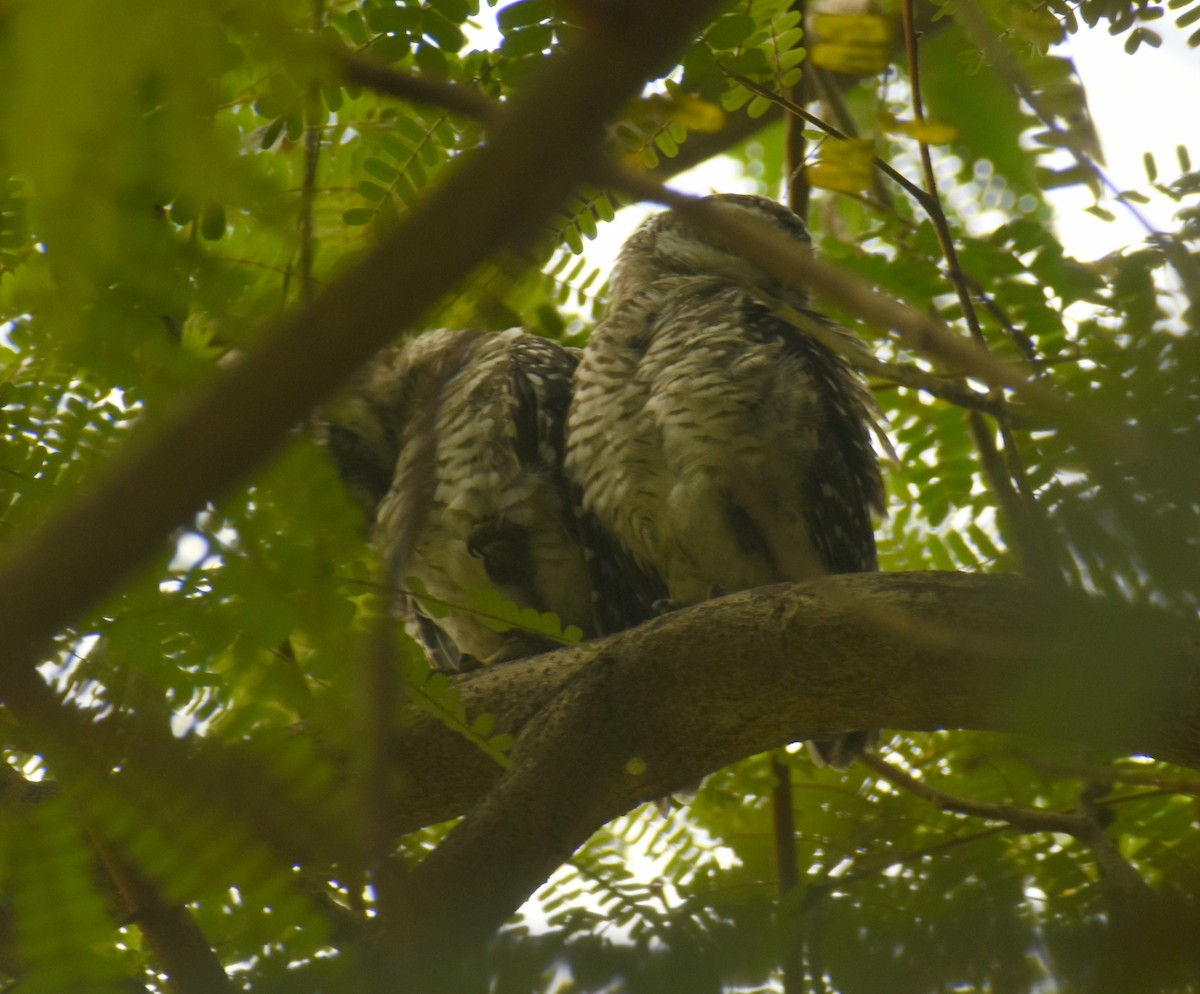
(454, 444)
(723, 447)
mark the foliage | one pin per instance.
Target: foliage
(174, 176)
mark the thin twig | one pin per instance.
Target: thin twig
(416, 88)
(1025, 819)
(179, 947)
(312, 154)
(796, 145)
(1033, 534)
(783, 815)
(888, 860)
(912, 189)
(794, 108)
(933, 205)
(1116, 774)
(1002, 61)
(1082, 824)
(782, 810)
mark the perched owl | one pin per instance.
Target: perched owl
(453, 442)
(724, 447)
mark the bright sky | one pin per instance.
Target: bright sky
(1130, 108)
(1140, 103)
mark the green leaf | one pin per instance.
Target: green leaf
(522, 43)
(332, 95)
(1142, 36)
(729, 30)
(355, 27)
(371, 191)
(271, 133)
(442, 30)
(521, 14)
(381, 170)
(432, 61)
(358, 216)
(212, 222)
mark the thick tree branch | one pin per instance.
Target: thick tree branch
(496, 197)
(500, 196)
(180, 948)
(658, 707)
(902, 650)
(604, 727)
(699, 147)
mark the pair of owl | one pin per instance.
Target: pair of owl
(699, 445)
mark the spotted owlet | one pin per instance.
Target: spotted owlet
(724, 447)
(453, 443)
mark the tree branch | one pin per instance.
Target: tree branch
(415, 87)
(658, 707)
(916, 651)
(1025, 819)
(603, 727)
(180, 948)
(495, 198)
(699, 147)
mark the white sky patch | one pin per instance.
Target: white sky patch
(481, 31)
(1139, 103)
(191, 550)
(1130, 100)
(719, 175)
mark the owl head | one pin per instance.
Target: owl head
(363, 428)
(668, 245)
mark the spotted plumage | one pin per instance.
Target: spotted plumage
(724, 447)
(453, 443)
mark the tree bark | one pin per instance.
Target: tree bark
(604, 727)
(703, 687)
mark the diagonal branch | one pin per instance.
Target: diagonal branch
(495, 198)
(180, 948)
(660, 706)
(604, 727)
(1100, 437)
(1022, 818)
